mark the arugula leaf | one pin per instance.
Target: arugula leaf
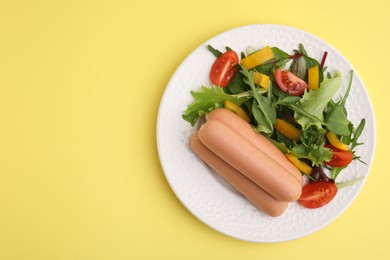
(357, 133)
(207, 99)
(263, 111)
(348, 183)
(264, 114)
(287, 100)
(214, 51)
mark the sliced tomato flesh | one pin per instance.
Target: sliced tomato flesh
(224, 69)
(317, 194)
(290, 83)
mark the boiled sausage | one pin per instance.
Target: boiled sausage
(261, 199)
(261, 142)
(249, 160)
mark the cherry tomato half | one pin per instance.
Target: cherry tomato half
(224, 69)
(317, 194)
(287, 81)
(340, 158)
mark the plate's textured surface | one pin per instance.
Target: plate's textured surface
(206, 195)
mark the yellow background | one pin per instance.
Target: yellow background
(80, 86)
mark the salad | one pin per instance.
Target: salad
(291, 99)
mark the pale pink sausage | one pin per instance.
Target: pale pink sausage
(261, 142)
(250, 161)
(261, 199)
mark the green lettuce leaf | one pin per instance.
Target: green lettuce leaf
(312, 146)
(338, 122)
(337, 118)
(207, 99)
(314, 102)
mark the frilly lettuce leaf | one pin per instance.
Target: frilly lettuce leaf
(208, 99)
(312, 146)
(337, 119)
(314, 102)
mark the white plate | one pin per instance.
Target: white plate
(205, 194)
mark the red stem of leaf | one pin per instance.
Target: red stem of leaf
(323, 59)
(296, 56)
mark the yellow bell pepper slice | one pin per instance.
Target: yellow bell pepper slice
(236, 109)
(336, 142)
(302, 166)
(288, 130)
(257, 58)
(313, 77)
(261, 79)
